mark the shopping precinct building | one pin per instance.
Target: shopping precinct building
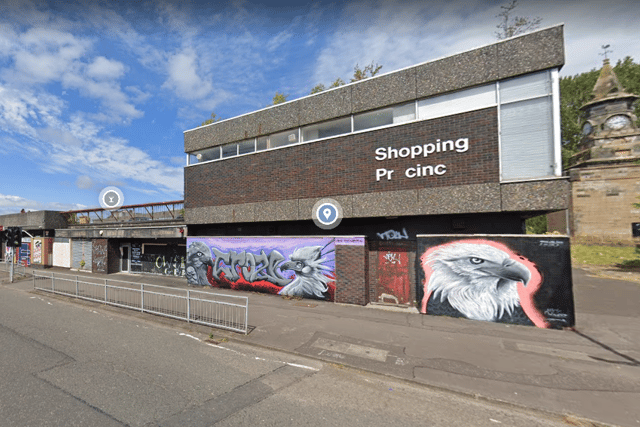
(463, 146)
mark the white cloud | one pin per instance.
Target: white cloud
(183, 77)
(84, 182)
(397, 34)
(13, 204)
(105, 69)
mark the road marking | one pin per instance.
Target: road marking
(295, 365)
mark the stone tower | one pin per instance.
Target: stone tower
(605, 173)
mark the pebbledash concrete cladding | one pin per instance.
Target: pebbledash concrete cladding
(467, 144)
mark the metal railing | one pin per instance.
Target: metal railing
(17, 268)
(207, 308)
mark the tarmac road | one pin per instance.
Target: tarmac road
(457, 372)
(82, 364)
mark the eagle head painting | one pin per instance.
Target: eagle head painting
(311, 280)
(481, 280)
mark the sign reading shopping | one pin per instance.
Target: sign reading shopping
(460, 145)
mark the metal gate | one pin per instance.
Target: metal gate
(81, 251)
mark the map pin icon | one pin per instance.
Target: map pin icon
(327, 213)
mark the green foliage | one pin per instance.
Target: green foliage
(510, 25)
(368, 71)
(577, 90)
(337, 82)
(317, 88)
(536, 225)
(358, 74)
(213, 119)
(279, 98)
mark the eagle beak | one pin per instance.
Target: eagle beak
(289, 265)
(515, 271)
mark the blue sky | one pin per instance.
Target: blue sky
(98, 93)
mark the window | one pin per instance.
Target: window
(283, 138)
(229, 150)
(248, 146)
(262, 143)
(527, 141)
(385, 116)
(457, 102)
(327, 129)
(205, 155)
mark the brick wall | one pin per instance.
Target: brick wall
(352, 275)
(347, 165)
(603, 198)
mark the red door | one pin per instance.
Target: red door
(393, 276)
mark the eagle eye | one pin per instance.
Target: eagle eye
(199, 254)
(299, 264)
(476, 261)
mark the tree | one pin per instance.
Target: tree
(279, 98)
(337, 82)
(368, 71)
(575, 91)
(358, 74)
(317, 88)
(213, 119)
(514, 25)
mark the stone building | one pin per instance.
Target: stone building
(605, 173)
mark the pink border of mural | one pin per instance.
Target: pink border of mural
(525, 293)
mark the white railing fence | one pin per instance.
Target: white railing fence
(217, 310)
(17, 268)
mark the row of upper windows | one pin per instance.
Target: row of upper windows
(512, 90)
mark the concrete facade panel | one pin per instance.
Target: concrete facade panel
(385, 90)
(325, 106)
(468, 69)
(389, 203)
(460, 199)
(550, 195)
(537, 51)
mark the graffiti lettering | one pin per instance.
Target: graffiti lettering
(392, 258)
(551, 243)
(555, 313)
(254, 267)
(173, 266)
(393, 235)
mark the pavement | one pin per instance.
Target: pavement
(588, 375)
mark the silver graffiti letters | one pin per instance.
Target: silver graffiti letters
(254, 266)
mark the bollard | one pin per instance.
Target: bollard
(142, 297)
(76, 286)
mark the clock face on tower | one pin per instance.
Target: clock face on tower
(617, 122)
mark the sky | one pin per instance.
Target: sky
(98, 93)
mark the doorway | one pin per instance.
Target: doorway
(125, 250)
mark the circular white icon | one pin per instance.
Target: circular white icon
(111, 198)
(327, 214)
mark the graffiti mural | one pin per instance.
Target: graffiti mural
(298, 267)
(507, 279)
(166, 260)
(36, 256)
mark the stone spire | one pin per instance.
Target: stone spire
(607, 86)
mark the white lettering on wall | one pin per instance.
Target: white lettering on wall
(461, 145)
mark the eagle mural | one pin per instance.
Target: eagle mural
(480, 280)
(311, 274)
